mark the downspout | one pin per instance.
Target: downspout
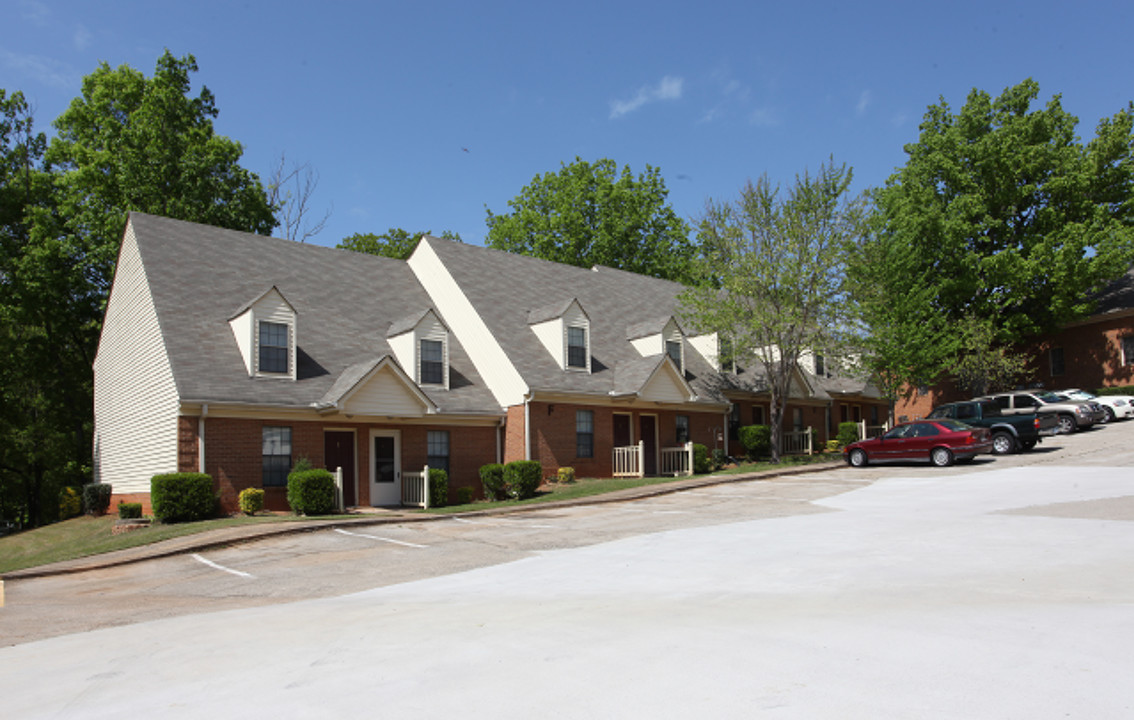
(527, 427)
(500, 440)
(201, 437)
(724, 432)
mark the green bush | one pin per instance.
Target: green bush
(832, 446)
(565, 475)
(522, 478)
(128, 511)
(311, 492)
(757, 440)
(438, 487)
(492, 477)
(464, 495)
(182, 497)
(1116, 390)
(848, 433)
(70, 505)
(96, 498)
(250, 500)
(701, 462)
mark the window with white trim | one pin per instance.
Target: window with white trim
(275, 456)
(273, 344)
(432, 370)
(577, 347)
(673, 349)
(437, 449)
(584, 433)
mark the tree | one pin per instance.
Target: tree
(136, 143)
(1009, 215)
(774, 275)
(290, 188)
(591, 214)
(394, 243)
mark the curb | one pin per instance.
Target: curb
(250, 533)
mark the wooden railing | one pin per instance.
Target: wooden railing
(629, 460)
(797, 442)
(415, 488)
(677, 460)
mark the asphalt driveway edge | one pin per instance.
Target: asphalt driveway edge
(226, 537)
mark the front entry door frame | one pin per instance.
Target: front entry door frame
(648, 424)
(386, 493)
(350, 474)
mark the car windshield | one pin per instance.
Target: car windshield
(1048, 397)
(1079, 395)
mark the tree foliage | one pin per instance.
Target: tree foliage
(1009, 215)
(394, 243)
(127, 143)
(593, 214)
(775, 266)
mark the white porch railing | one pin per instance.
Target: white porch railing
(415, 488)
(797, 442)
(677, 460)
(340, 505)
(871, 431)
(629, 460)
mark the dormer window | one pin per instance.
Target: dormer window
(673, 349)
(577, 347)
(819, 366)
(273, 347)
(432, 371)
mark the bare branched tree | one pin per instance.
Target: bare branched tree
(290, 189)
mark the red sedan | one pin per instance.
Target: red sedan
(939, 441)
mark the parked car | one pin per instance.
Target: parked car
(1071, 414)
(1097, 413)
(1010, 433)
(1115, 406)
(940, 441)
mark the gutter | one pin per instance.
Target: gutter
(201, 437)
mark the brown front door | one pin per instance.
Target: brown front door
(338, 451)
(649, 436)
(621, 430)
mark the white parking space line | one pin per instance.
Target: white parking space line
(215, 566)
(506, 523)
(383, 539)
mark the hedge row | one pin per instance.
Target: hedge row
(183, 497)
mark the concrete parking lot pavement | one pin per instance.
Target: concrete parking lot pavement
(999, 591)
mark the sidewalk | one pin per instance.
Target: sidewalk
(211, 539)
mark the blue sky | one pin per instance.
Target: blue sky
(419, 115)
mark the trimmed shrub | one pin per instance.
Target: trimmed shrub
(96, 498)
(1116, 390)
(311, 492)
(492, 477)
(250, 500)
(832, 446)
(701, 462)
(129, 511)
(182, 497)
(565, 475)
(464, 495)
(522, 478)
(70, 505)
(438, 487)
(848, 433)
(757, 440)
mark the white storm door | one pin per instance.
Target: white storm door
(385, 468)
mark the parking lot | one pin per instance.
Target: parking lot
(997, 589)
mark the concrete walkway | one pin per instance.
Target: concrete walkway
(1001, 594)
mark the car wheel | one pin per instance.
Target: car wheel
(1003, 443)
(857, 458)
(1066, 424)
(941, 457)
(1109, 414)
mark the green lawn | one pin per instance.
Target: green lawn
(83, 536)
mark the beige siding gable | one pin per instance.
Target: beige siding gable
(552, 335)
(385, 393)
(271, 307)
(665, 386)
(136, 404)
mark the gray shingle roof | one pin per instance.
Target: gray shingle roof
(345, 302)
(613, 300)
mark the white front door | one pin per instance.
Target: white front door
(385, 467)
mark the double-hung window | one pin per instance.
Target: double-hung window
(432, 362)
(585, 433)
(276, 456)
(437, 449)
(273, 347)
(682, 429)
(577, 347)
(673, 349)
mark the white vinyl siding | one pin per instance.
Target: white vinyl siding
(665, 387)
(385, 394)
(136, 405)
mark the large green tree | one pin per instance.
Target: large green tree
(1009, 215)
(129, 142)
(775, 283)
(394, 243)
(594, 214)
